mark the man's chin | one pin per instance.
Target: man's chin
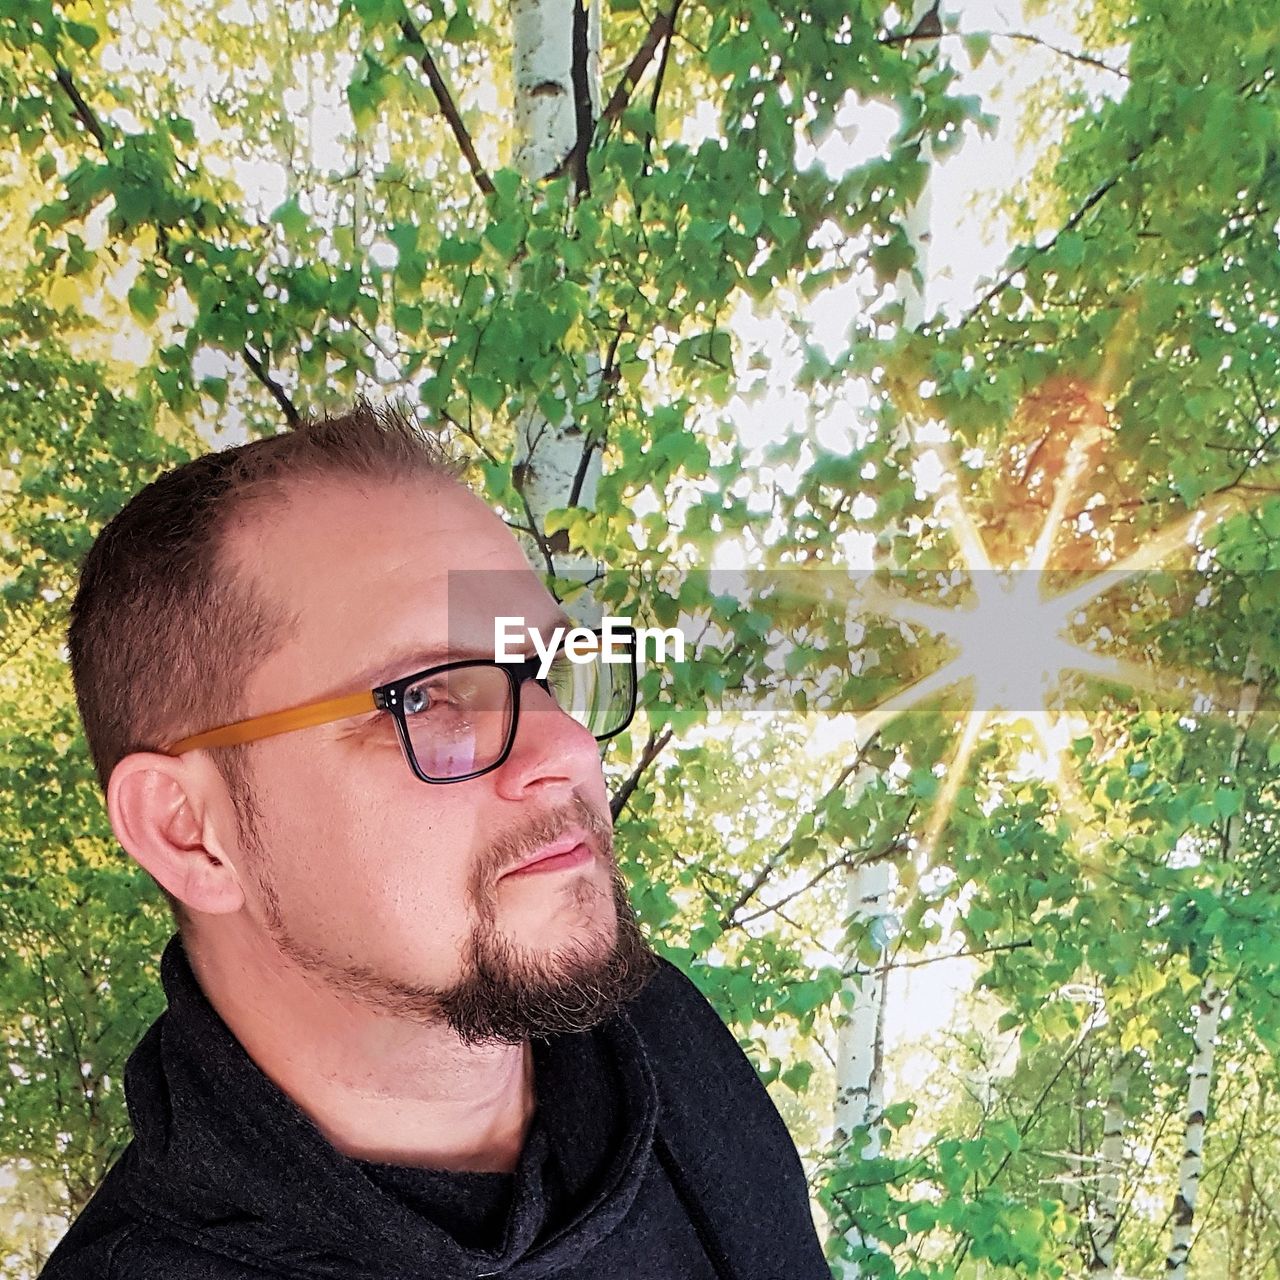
(514, 991)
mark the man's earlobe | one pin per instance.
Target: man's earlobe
(162, 811)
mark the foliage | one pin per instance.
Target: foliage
(199, 263)
(78, 933)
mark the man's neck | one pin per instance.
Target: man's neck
(377, 1086)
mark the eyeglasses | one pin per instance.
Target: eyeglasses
(458, 721)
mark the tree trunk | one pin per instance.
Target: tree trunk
(557, 101)
(1212, 998)
(869, 888)
(1208, 1014)
(860, 1044)
(557, 74)
(1106, 1219)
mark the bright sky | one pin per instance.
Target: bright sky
(967, 243)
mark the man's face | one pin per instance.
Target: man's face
(399, 893)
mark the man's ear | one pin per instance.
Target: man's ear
(174, 818)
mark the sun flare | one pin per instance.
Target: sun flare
(1017, 644)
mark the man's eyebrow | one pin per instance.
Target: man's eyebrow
(411, 659)
(401, 663)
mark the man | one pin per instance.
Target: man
(413, 1030)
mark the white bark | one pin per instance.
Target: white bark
(551, 458)
(1208, 1015)
(859, 1086)
(869, 889)
(545, 118)
(1212, 998)
(1106, 1220)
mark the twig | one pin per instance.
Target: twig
(84, 113)
(658, 80)
(1026, 37)
(961, 955)
(650, 753)
(448, 108)
(1070, 225)
(91, 122)
(660, 29)
(848, 860)
(1088, 59)
(771, 863)
(291, 414)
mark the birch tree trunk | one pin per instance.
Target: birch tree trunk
(557, 102)
(1106, 1221)
(860, 1044)
(1208, 1015)
(869, 888)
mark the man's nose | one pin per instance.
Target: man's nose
(551, 751)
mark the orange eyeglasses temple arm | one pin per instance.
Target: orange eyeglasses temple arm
(313, 713)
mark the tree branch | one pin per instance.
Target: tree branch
(658, 80)
(583, 103)
(86, 116)
(844, 860)
(962, 955)
(660, 29)
(448, 108)
(292, 416)
(1025, 37)
(1070, 225)
(770, 864)
(1088, 59)
(84, 113)
(652, 748)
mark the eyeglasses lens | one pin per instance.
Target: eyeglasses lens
(597, 694)
(459, 721)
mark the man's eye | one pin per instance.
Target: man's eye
(446, 697)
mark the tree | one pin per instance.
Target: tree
(365, 215)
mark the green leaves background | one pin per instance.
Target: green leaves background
(216, 220)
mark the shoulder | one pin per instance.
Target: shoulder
(81, 1256)
(703, 1076)
(89, 1248)
(110, 1240)
(679, 1026)
(135, 1251)
(669, 994)
(728, 1149)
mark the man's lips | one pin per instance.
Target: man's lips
(573, 849)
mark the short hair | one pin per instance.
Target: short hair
(165, 627)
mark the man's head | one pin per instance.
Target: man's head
(312, 565)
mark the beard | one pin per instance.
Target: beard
(505, 993)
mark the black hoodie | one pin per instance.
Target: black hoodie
(655, 1154)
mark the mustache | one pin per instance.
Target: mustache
(513, 847)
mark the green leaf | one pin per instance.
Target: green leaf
(142, 302)
(291, 219)
(216, 388)
(1070, 248)
(505, 234)
(977, 44)
(83, 34)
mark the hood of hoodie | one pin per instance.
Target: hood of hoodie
(223, 1159)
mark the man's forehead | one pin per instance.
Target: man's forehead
(330, 532)
(372, 575)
